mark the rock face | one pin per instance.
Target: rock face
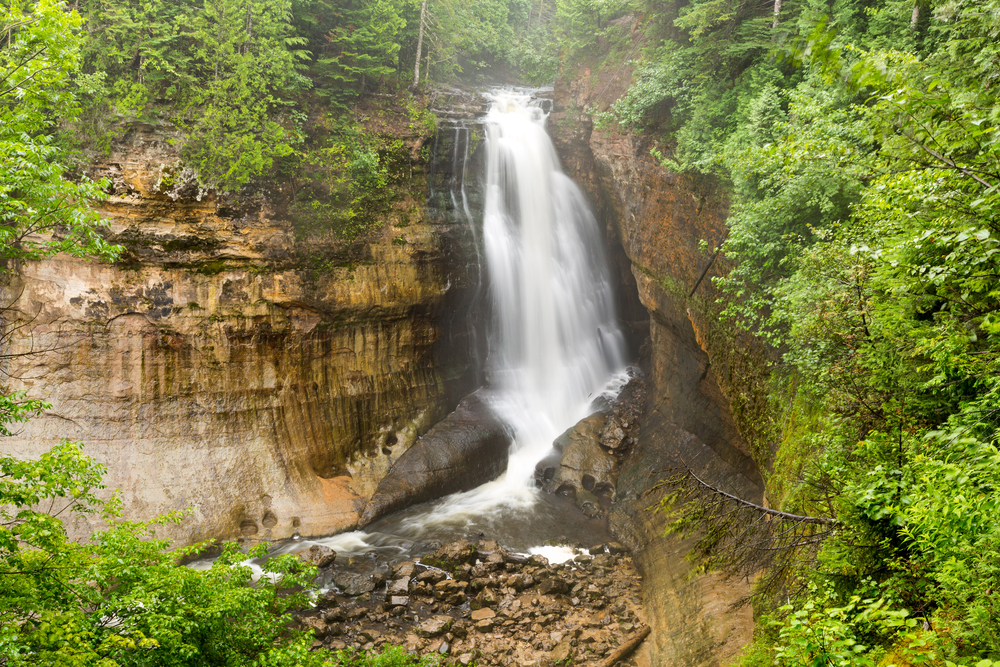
(226, 366)
(467, 448)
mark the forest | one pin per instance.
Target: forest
(858, 142)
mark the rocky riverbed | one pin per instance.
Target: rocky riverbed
(480, 603)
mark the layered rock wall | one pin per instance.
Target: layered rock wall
(263, 382)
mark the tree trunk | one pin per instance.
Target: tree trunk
(420, 46)
(915, 17)
(777, 13)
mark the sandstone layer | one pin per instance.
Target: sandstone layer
(229, 368)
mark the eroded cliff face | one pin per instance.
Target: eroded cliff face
(656, 219)
(263, 382)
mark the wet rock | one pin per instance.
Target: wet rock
(434, 626)
(319, 556)
(583, 466)
(467, 448)
(352, 584)
(335, 616)
(431, 576)
(552, 586)
(562, 652)
(398, 587)
(588, 503)
(624, 415)
(483, 614)
(327, 601)
(486, 598)
(405, 570)
(399, 601)
(451, 555)
(485, 625)
(316, 624)
(538, 560)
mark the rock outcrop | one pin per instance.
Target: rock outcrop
(228, 367)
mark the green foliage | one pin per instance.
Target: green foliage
(862, 153)
(350, 178)
(42, 212)
(122, 598)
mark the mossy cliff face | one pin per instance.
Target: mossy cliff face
(264, 382)
(655, 220)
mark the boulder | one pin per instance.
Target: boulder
(319, 555)
(465, 449)
(583, 464)
(352, 584)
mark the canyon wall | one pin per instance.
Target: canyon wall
(655, 220)
(229, 368)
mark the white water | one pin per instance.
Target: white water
(554, 342)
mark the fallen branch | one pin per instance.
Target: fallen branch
(626, 649)
(766, 510)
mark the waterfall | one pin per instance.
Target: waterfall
(554, 341)
(554, 344)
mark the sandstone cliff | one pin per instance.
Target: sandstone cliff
(226, 366)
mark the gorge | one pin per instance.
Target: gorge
(273, 401)
(320, 348)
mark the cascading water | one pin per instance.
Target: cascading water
(554, 345)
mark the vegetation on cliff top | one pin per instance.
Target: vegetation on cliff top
(861, 143)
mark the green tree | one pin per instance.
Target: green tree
(42, 211)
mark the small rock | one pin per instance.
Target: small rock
(434, 626)
(482, 614)
(485, 625)
(552, 586)
(352, 584)
(431, 577)
(451, 555)
(334, 616)
(486, 598)
(465, 659)
(404, 570)
(398, 587)
(615, 548)
(443, 648)
(399, 601)
(315, 624)
(357, 613)
(561, 652)
(327, 600)
(538, 560)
